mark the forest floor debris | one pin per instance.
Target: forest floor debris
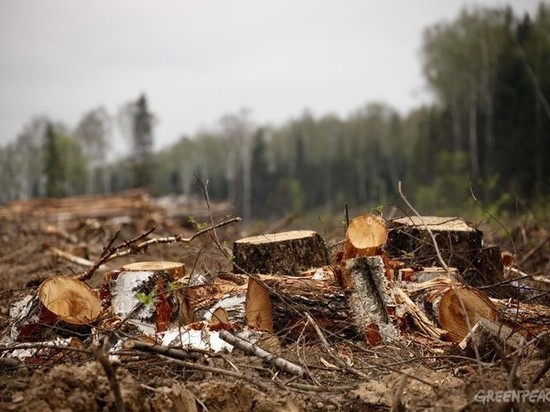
(414, 371)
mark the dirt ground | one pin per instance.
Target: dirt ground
(414, 374)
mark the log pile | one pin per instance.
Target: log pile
(130, 204)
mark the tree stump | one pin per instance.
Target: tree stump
(286, 253)
(458, 242)
(145, 294)
(63, 306)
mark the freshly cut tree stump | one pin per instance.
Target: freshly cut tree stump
(286, 253)
(364, 236)
(145, 293)
(370, 299)
(458, 242)
(281, 301)
(454, 307)
(63, 306)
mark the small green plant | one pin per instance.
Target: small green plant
(145, 299)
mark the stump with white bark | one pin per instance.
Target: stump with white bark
(145, 294)
(286, 253)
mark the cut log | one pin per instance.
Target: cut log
(364, 236)
(63, 307)
(410, 240)
(452, 306)
(370, 299)
(285, 253)
(485, 335)
(291, 297)
(70, 300)
(145, 294)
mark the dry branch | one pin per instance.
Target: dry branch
(264, 355)
(132, 248)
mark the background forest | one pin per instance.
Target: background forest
(488, 128)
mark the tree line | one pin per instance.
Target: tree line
(488, 129)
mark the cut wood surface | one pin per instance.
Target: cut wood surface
(453, 306)
(364, 236)
(175, 270)
(62, 305)
(70, 300)
(259, 310)
(285, 253)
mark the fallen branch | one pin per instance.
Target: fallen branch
(160, 350)
(132, 248)
(264, 355)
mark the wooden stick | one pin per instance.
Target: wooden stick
(264, 355)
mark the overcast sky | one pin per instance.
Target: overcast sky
(198, 60)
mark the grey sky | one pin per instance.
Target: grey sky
(198, 60)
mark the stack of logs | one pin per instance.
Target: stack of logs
(368, 291)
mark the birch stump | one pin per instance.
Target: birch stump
(286, 253)
(145, 294)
